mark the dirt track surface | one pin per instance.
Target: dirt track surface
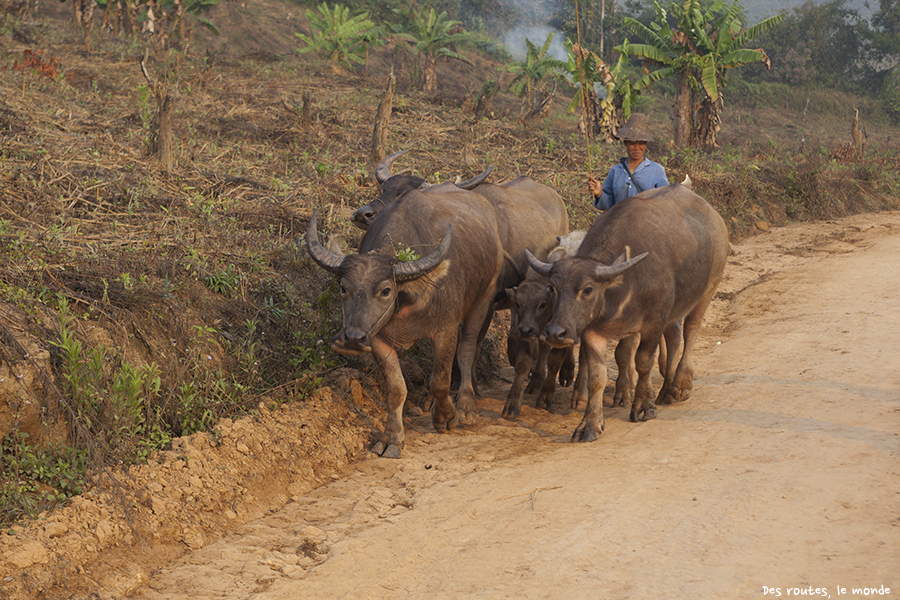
(781, 470)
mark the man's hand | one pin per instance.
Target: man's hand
(595, 186)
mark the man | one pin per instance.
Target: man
(632, 174)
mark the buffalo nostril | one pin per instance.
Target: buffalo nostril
(554, 332)
(354, 336)
(526, 331)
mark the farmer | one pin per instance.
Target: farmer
(633, 173)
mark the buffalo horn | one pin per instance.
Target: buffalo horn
(405, 271)
(470, 184)
(604, 273)
(325, 259)
(383, 170)
(541, 267)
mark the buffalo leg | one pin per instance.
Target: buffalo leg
(580, 391)
(443, 413)
(678, 389)
(524, 361)
(643, 408)
(625, 380)
(567, 369)
(472, 332)
(668, 352)
(548, 390)
(390, 442)
(539, 371)
(593, 345)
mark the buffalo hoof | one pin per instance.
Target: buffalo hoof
(467, 417)
(643, 414)
(391, 451)
(444, 422)
(544, 401)
(566, 375)
(587, 434)
(511, 411)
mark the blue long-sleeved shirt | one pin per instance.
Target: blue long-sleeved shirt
(618, 185)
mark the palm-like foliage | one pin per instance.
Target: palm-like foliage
(338, 36)
(433, 36)
(531, 74)
(699, 50)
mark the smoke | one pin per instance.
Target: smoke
(533, 25)
(514, 41)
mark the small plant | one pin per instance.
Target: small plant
(146, 106)
(37, 478)
(407, 254)
(224, 282)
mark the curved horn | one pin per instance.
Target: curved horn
(604, 273)
(325, 259)
(470, 184)
(542, 268)
(405, 271)
(383, 170)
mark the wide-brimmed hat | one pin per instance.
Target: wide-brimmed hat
(637, 129)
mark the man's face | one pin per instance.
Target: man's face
(635, 150)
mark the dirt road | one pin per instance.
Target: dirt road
(782, 471)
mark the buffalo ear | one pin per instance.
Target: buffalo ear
(624, 257)
(505, 299)
(335, 245)
(558, 253)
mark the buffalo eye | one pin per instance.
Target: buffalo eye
(343, 290)
(587, 291)
(385, 292)
(543, 305)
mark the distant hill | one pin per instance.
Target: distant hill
(757, 10)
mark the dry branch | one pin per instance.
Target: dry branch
(382, 119)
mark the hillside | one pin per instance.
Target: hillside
(139, 305)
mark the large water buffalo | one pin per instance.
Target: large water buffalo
(391, 187)
(529, 216)
(528, 213)
(445, 296)
(682, 245)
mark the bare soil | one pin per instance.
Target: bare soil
(780, 471)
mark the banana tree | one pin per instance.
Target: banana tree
(339, 37)
(530, 75)
(433, 36)
(698, 50)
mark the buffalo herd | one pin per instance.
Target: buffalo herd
(436, 261)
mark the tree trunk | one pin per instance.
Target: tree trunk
(379, 133)
(681, 115)
(164, 135)
(708, 121)
(591, 113)
(430, 75)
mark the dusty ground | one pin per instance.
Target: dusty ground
(781, 471)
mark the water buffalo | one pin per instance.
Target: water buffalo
(682, 246)
(528, 213)
(444, 296)
(531, 310)
(394, 186)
